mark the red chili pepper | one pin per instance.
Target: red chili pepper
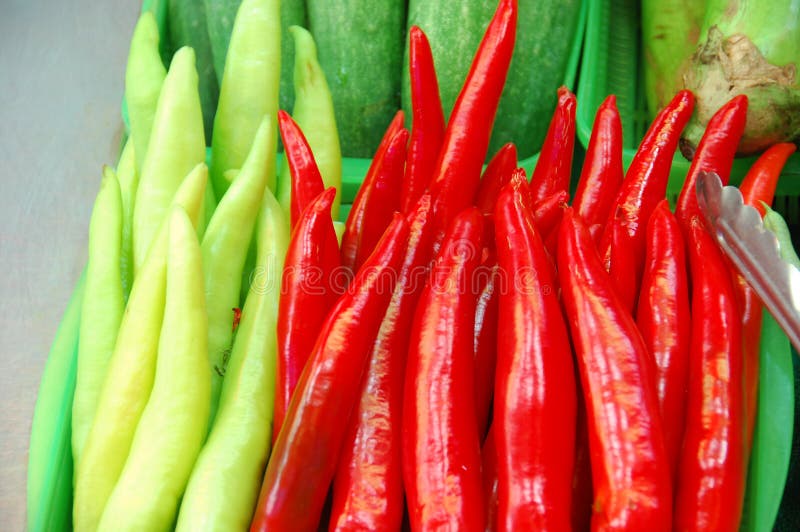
(602, 172)
(305, 455)
(630, 473)
(535, 398)
(496, 176)
(715, 153)
(664, 319)
(489, 464)
(547, 212)
(762, 179)
(622, 267)
(376, 202)
(554, 166)
(458, 168)
(441, 448)
(427, 127)
(368, 486)
(485, 337)
(307, 182)
(644, 186)
(307, 294)
(582, 491)
(757, 186)
(711, 471)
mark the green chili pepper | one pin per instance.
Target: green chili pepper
(129, 378)
(313, 112)
(173, 425)
(225, 247)
(101, 311)
(177, 145)
(233, 458)
(144, 77)
(249, 88)
(775, 223)
(128, 179)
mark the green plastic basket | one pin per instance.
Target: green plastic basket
(50, 456)
(611, 64)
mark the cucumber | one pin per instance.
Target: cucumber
(187, 27)
(541, 54)
(220, 15)
(538, 68)
(360, 48)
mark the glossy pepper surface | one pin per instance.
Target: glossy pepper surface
(306, 180)
(368, 486)
(427, 119)
(307, 450)
(630, 471)
(376, 202)
(131, 370)
(554, 166)
(308, 291)
(441, 448)
(645, 184)
(173, 425)
(234, 455)
(457, 173)
(249, 87)
(664, 319)
(224, 248)
(714, 154)
(534, 398)
(711, 472)
(602, 172)
(313, 112)
(496, 175)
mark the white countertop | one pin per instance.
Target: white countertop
(62, 68)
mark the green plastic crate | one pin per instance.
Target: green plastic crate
(50, 454)
(611, 64)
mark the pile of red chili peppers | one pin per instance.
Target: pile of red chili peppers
(482, 353)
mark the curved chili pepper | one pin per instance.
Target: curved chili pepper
(711, 471)
(376, 202)
(630, 471)
(368, 486)
(427, 126)
(715, 153)
(441, 447)
(496, 175)
(645, 185)
(664, 319)
(304, 459)
(554, 166)
(458, 169)
(534, 399)
(306, 179)
(757, 186)
(602, 173)
(307, 293)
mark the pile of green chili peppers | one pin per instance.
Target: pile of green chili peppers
(174, 396)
